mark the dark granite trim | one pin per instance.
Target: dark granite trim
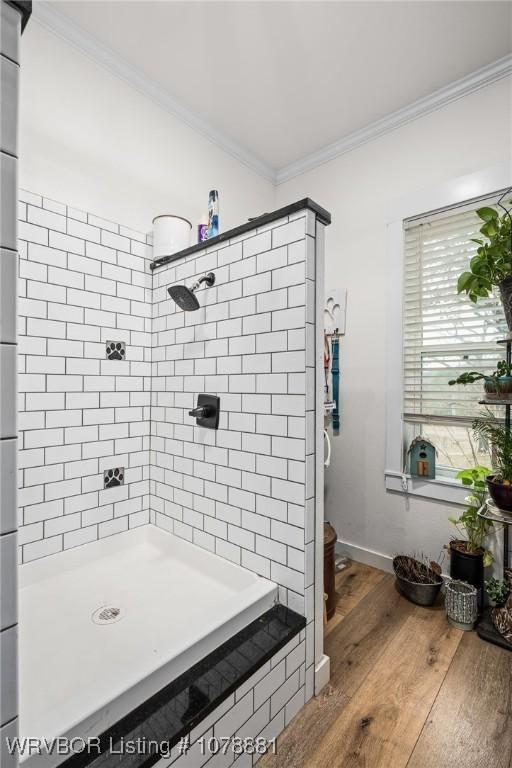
(24, 7)
(174, 711)
(323, 216)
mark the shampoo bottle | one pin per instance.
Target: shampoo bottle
(213, 214)
(202, 229)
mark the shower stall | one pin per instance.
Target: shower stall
(169, 549)
(170, 498)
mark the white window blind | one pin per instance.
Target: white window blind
(444, 333)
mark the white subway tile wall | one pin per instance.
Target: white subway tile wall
(245, 491)
(82, 282)
(241, 491)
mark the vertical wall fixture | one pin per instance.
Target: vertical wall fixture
(13, 16)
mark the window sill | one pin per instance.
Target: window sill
(436, 490)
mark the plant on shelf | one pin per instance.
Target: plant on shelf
(418, 578)
(492, 264)
(495, 433)
(497, 384)
(468, 554)
(474, 528)
(498, 591)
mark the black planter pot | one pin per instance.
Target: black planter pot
(468, 567)
(506, 298)
(501, 494)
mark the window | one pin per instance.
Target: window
(445, 334)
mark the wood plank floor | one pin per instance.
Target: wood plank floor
(406, 690)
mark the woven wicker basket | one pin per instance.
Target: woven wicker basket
(461, 604)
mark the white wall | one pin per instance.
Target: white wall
(358, 188)
(90, 139)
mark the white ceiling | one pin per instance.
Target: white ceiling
(284, 79)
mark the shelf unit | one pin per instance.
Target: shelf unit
(489, 511)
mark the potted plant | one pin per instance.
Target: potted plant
(492, 264)
(498, 591)
(499, 482)
(497, 385)
(468, 555)
(418, 579)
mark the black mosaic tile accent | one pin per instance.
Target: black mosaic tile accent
(174, 711)
(113, 477)
(116, 350)
(260, 221)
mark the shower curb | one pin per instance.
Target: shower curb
(171, 714)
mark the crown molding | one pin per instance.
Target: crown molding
(440, 98)
(55, 21)
(45, 14)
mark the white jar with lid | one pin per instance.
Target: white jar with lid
(170, 234)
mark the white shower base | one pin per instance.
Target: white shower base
(178, 603)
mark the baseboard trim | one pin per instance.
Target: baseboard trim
(369, 557)
(322, 673)
(366, 556)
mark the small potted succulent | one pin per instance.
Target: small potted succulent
(497, 385)
(468, 555)
(492, 265)
(498, 591)
(418, 578)
(494, 431)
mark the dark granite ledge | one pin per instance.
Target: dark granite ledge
(25, 9)
(174, 711)
(323, 216)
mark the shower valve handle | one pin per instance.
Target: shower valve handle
(201, 412)
(206, 412)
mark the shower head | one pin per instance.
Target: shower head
(185, 297)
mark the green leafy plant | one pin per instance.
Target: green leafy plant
(497, 590)
(469, 377)
(473, 528)
(492, 262)
(489, 428)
